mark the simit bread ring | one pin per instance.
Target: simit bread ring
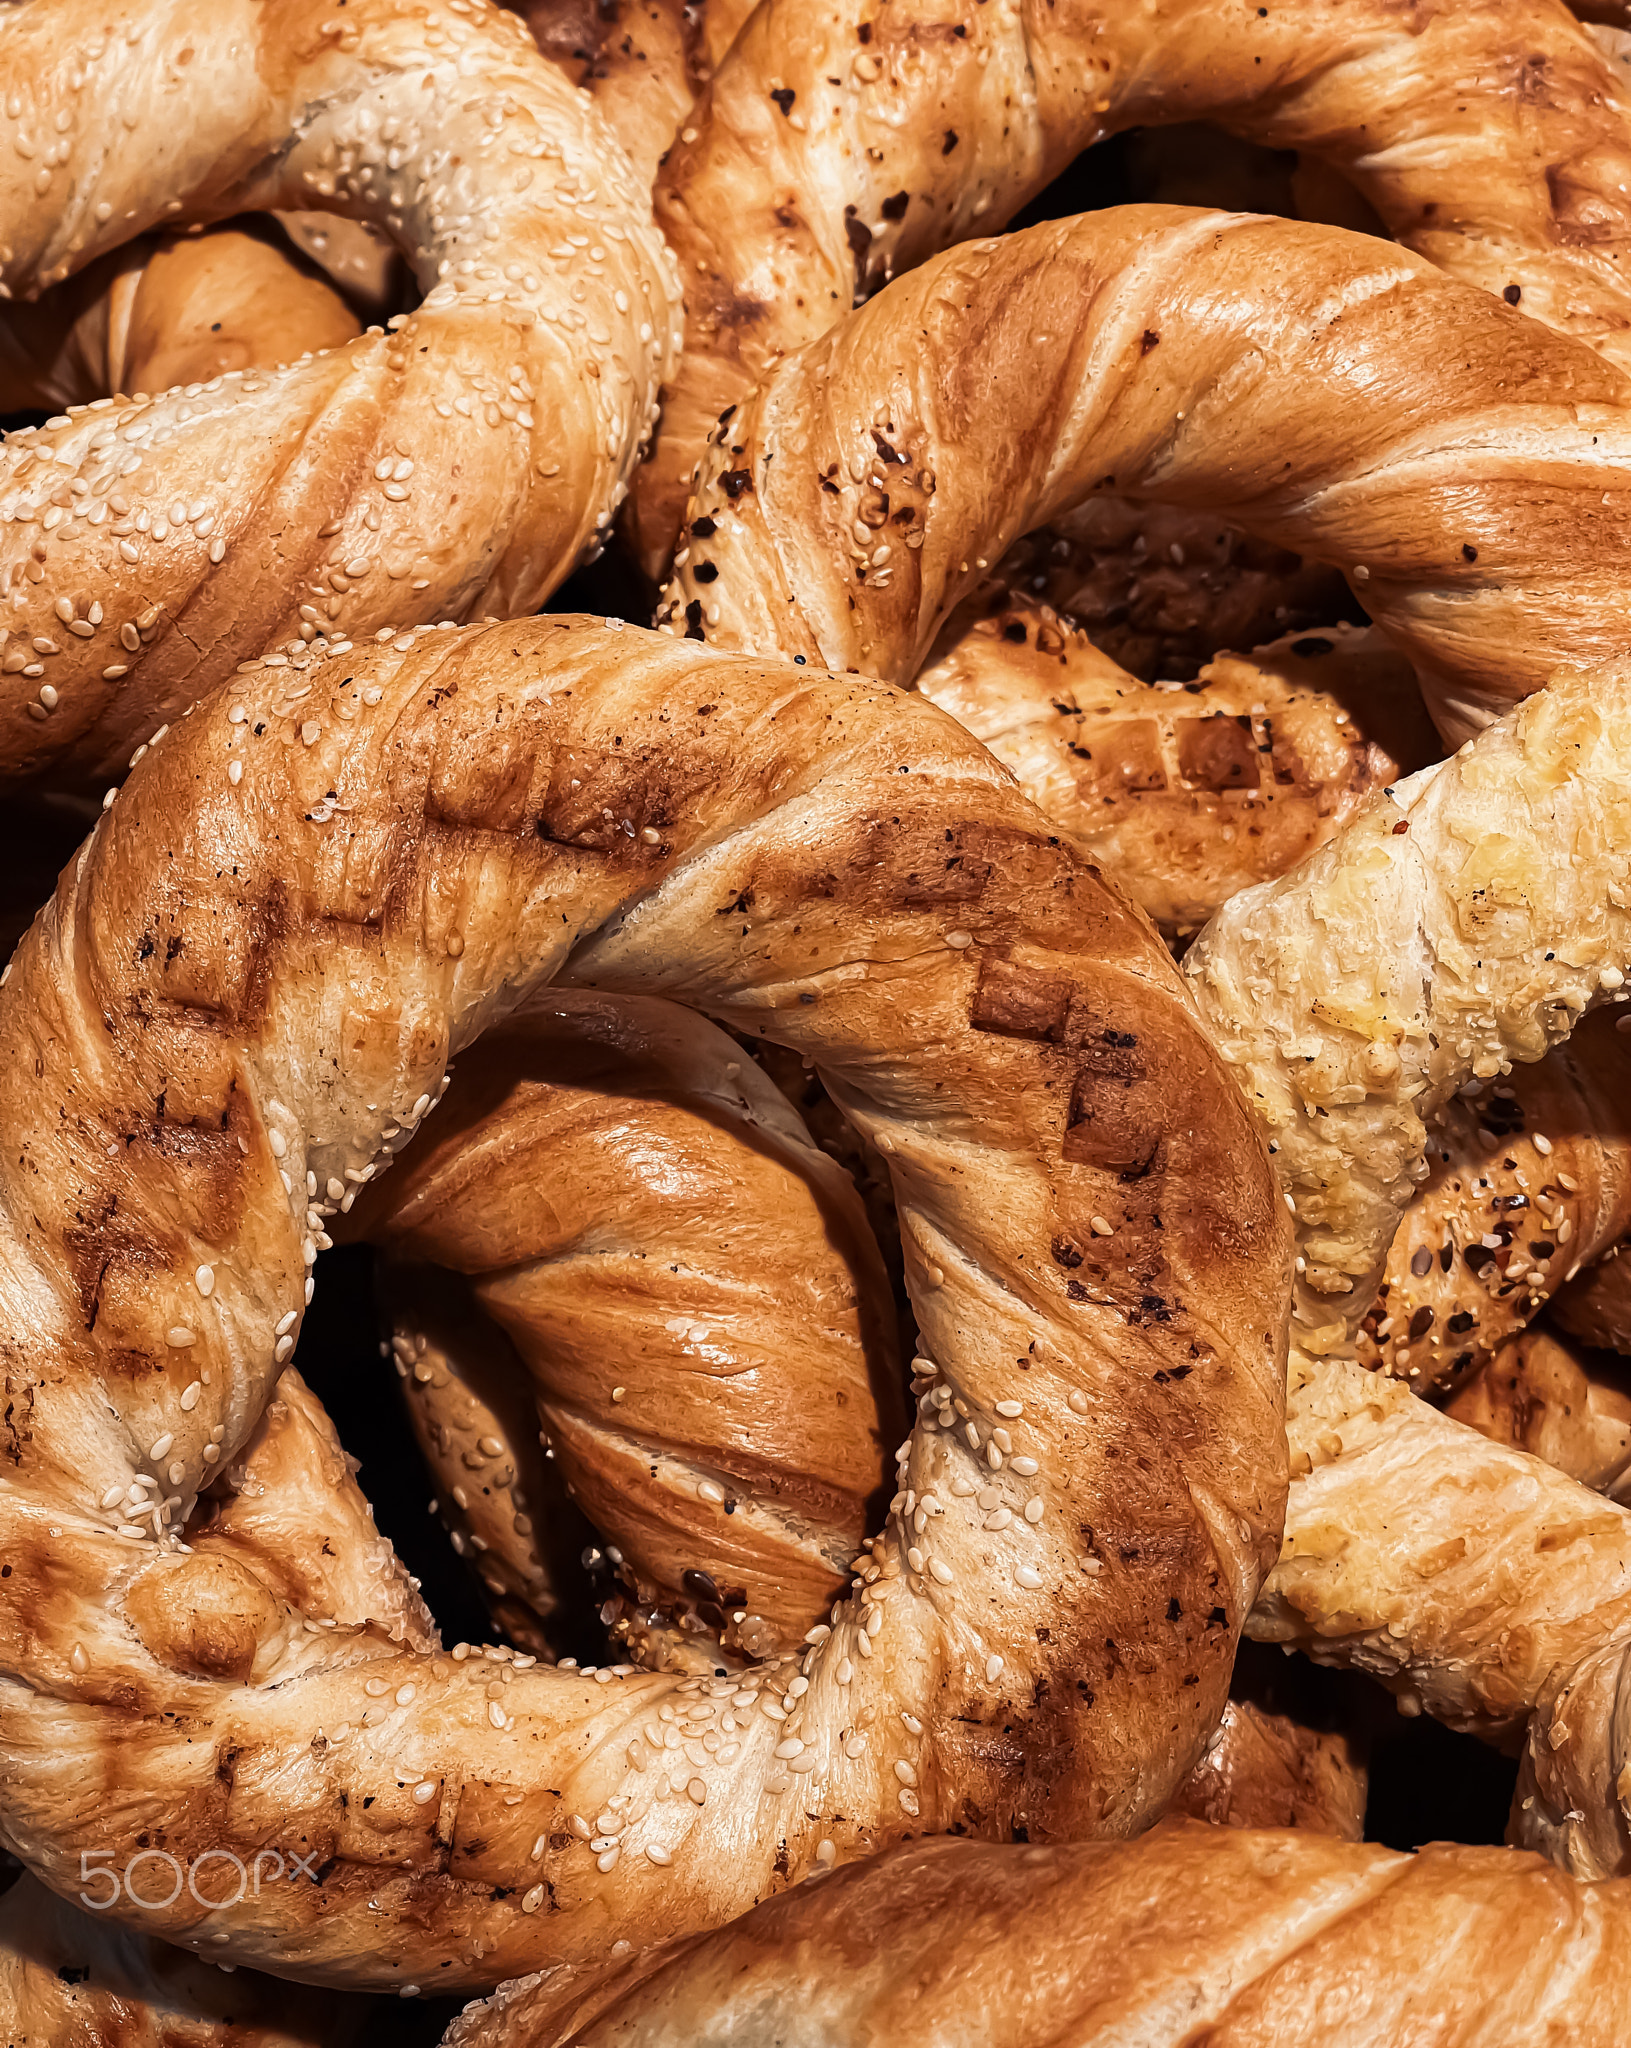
(840, 146)
(851, 502)
(461, 462)
(1096, 1251)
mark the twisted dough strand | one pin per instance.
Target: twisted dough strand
(1166, 355)
(459, 817)
(691, 1288)
(1241, 1940)
(841, 146)
(460, 462)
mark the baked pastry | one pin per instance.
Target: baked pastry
(198, 527)
(1097, 1252)
(839, 148)
(1240, 1939)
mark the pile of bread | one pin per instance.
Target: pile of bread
(1051, 1092)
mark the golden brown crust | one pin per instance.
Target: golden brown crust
(419, 836)
(1529, 1177)
(167, 310)
(73, 1979)
(1456, 439)
(1237, 1938)
(643, 61)
(1264, 1770)
(1186, 792)
(839, 147)
(1564, 1403)
(467, 457)
(693, 1291)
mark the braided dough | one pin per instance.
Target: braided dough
(1463, 924)
(1238, 1939)
(841, 146)
(1455, 439)
(1096, 1252)
(199, 527)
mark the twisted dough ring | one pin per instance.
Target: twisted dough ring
(1092, 1238)
(838, 147)
(172, 536)
(1192, 1934)
(1454, 443)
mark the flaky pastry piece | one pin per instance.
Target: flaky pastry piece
(1187, 792)
(842, 146)
(1466, 468)
(1240, 1939)
(336, 873)
(461, 462)
(689, 1288)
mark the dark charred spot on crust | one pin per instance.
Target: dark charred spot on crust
(859, 237)
(894, 207)
(784, 97)
(733, 482)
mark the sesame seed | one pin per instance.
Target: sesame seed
(993, 1670)
(204, 1280)
(178, 1337)
(607, 1860)
(1009, 1409)
(1029, 1577)
(161, 1448)
(939, 1570)
(424, 1792)
(656, 1853)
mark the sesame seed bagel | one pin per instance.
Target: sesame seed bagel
(668, 1276)
(1468, 470)
(1193, 1934)
(313, 891)
(841, 145)
(461, 462)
